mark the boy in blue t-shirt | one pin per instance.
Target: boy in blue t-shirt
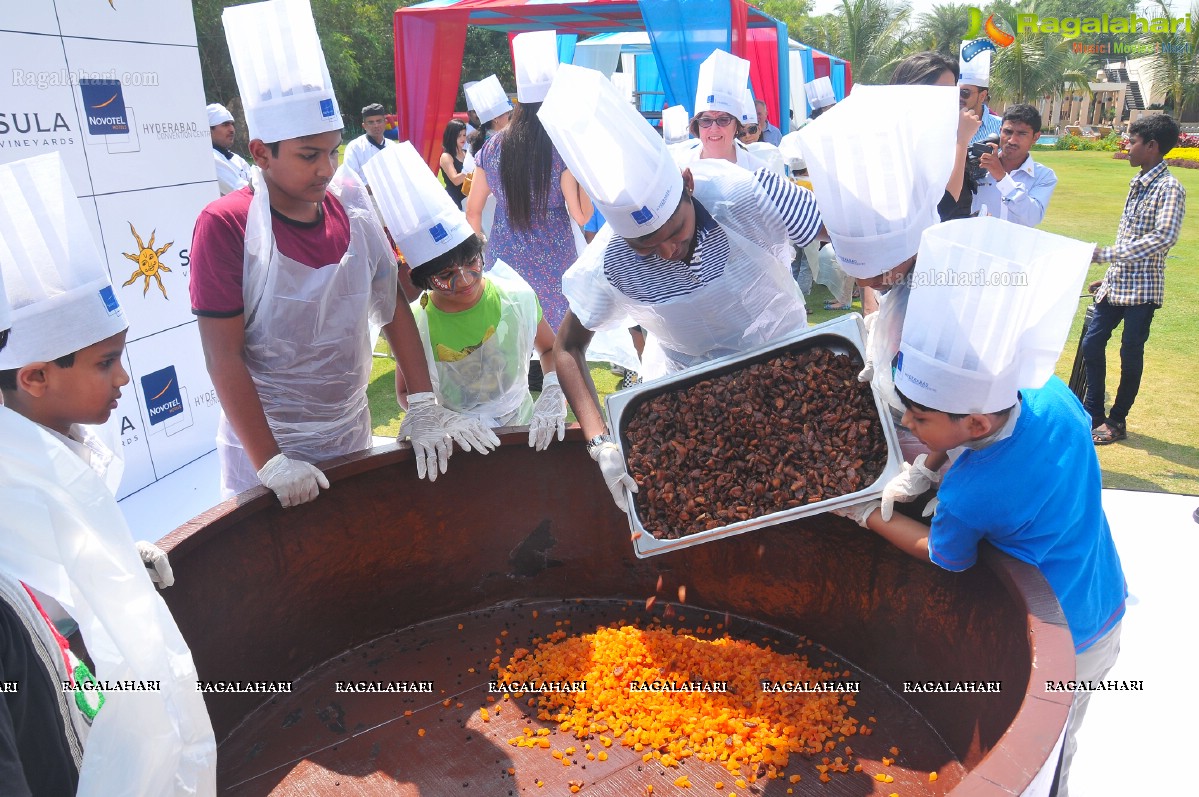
(1026, 479)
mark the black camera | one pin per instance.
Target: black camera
(974, 169)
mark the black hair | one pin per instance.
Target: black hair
(483, 133)
(526, 166)
(1159, 127)
(953, 416)
(461, 254)
(1025, 114)
(449, 137)
(8, 379)
(3, 338)
(274, 148)
(817, 111)
(374, 109)
(923, 69)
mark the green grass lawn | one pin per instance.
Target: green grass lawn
(1162, 450)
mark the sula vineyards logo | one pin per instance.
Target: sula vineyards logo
(148, 264)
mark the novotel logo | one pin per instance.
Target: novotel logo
(104, 105)
(163, 399)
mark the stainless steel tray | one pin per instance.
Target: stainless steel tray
(841, 335)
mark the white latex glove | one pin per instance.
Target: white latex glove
(930, 508)
(293, 481)
(470, 433)
(424, 424)
(157, 566)
(908, 485)
(549, 413)
(867, 372)
(858, 513)
(615, 476)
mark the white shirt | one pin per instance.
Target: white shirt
(232, 173)
(1022, 196)
(358, 152)
(690, 151)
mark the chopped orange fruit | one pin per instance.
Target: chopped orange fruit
(682, 782)
(486, 716)
(932, 776)
(602, 756)
(420, 732)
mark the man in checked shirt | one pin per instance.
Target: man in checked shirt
(1134, 285)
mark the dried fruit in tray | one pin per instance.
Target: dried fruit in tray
(793, 430)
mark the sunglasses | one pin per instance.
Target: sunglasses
(708, 121)
(751, 130)
(456, 277)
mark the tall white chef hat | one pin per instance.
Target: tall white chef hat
(974, 63)
(990, 308)
(419, 214)
(218, 114)
(749, 111)
(675, 124)
(280, 70)
(879, 162)
(5, 307)
(488, 98)
(466, 87)
(820, 92)
(722, 85)
(620, 161)
(536, 57)
(57, 282)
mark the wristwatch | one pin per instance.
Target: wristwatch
(594, 443)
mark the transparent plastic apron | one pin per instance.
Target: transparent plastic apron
(492, 382)
(882, 344)
(755, 300)
(308, 337)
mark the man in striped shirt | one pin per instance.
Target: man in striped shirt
(1134, 286)
(974, 97)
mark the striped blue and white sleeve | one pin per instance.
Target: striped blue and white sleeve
(795, 206)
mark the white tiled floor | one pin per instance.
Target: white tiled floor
(1132, 743)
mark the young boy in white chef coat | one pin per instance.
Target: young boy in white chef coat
(975, 372)
(66, 553)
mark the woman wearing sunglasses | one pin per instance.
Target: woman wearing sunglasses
(721, 114)
(478, 329)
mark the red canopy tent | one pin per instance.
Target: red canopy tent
(430, 38)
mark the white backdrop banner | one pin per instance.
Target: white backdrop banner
(116, 88)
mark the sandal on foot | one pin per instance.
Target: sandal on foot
(837, 306)
(1108, 433)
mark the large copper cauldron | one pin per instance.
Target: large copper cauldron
(325, 591)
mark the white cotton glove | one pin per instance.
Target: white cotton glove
(909, 484)
(157, 566)
(867, 372)
(294, 482)
(930, 508)
(615, 476)
(858, 513)
(424, 425)
(549, 413)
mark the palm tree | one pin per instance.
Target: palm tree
(943, 28)
(1176, 66)
(1033, 66)
(870, 34)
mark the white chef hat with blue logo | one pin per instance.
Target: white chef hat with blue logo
(280, 69)
(722, 85)
(56, 280)
(422, 219)
(621, 162)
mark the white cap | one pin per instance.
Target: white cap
(749, 110)
(487, 98)
(675, 124)
(218, 114)
(820, 92)
(5, 309)
(280, 69)
(419, 214)
(990, 307)
(536, 57)
(621, 162)
(792, 152)
(56, 280)
(466, 87)
(974, 63)
(879, 161)
(722, 85)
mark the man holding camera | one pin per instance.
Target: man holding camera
(1015, 187)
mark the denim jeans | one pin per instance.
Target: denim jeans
(1136, 319)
